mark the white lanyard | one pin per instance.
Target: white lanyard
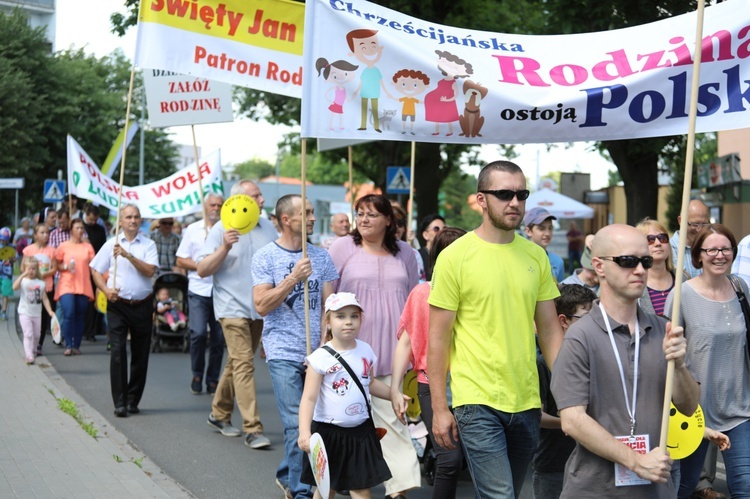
(631, 410)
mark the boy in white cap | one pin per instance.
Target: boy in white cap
(538, 222)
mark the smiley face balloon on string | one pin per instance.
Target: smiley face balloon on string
(241, 213)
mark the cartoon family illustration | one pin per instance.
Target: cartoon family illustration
(440, 104)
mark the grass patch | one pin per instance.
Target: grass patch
(70, 408)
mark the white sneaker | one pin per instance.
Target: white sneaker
(285, 490)
(175, 326)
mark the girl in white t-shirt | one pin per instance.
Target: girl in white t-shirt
(334, 406)
(30, 303)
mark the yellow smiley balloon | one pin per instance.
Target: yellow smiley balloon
(101, 301)
(240, 212)
(7, 252)
(413, 410)
(685, 432)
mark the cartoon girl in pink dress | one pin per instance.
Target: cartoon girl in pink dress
(440, 104)
(339, 73)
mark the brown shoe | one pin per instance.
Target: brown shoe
(708, 493)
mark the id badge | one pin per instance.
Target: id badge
(623, 476)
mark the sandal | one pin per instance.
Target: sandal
(67, 352)
(76, 351)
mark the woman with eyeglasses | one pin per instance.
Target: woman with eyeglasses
(381, 271)
(661, 275)
(717, 357)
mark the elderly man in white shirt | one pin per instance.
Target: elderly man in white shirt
(129, 292)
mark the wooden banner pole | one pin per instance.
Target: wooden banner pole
(689, 154)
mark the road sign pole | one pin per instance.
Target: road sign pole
(59, 177)
(15, 221)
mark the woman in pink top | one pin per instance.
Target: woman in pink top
(74, 291)
(381, 271)
(45, 255)
(412, 347)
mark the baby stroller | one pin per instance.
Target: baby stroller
(177, 285)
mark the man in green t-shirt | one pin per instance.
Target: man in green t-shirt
(489, 288)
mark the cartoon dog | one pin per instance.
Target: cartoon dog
(471, 122)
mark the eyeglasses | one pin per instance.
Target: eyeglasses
(508, 195)
(630, 261)
(715, 251)
(575, 316)
(663, 238)
(368, 215)
(436, 229)
(698, 225)
(166, 223)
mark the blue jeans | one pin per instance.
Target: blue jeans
(690, 470)
(201, 317)
(736, 462)
(288, 379)
(74, 318)
(498, 447)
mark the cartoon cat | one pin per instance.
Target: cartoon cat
(385, 119)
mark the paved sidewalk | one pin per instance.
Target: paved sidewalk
(44, 452)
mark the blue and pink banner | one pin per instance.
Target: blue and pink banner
(374, 73)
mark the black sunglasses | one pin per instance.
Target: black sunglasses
(508, 195)
(630, 261)
(399, 222)
(663, 238)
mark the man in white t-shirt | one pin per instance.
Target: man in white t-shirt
(200, 301)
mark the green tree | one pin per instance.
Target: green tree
(673, 157)
(255, 168)
(455, 207)
(614, 178)
(44, 97)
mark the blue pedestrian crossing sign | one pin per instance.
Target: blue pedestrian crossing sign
(54, 191)
(398, 179)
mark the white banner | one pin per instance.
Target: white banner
(175, 196)
(374, 73)
(249, 43)
(174, 99)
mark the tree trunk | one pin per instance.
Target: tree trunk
(429, 177)
(637, 160)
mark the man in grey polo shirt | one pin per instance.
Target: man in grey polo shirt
(614, 429)
(227, 256)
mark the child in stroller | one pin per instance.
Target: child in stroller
(167, 307)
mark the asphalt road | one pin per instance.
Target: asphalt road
(172, 430)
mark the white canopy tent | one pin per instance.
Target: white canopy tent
(558, 205)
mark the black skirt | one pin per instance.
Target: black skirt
(355, 458)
